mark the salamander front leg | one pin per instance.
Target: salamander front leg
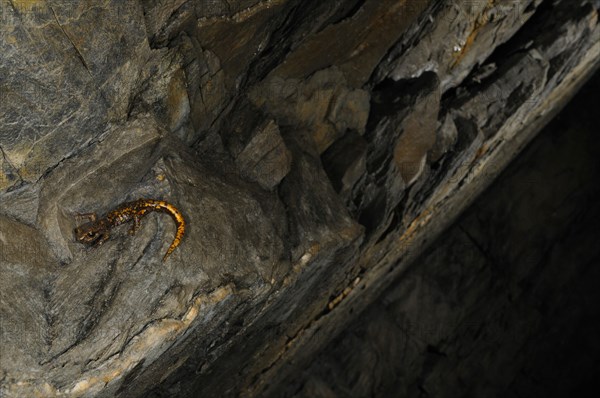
(102, 239)
(90, 217)
(137, 219)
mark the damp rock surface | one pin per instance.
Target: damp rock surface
(313, 148)
(505, 299)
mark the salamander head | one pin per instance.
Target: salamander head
(91, 233)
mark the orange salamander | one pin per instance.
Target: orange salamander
(96, 231)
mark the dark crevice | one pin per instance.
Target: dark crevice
(98, 304)
(279, 45)
(408, 40)
(478, 79)
(160, 40)
(394, 223)
(131, 375)
(347, 11)
(342, 155)
(77, 52)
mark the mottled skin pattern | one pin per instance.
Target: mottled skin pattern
(97, 231)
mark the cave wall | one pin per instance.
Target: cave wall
(505, 303)
(314, 148)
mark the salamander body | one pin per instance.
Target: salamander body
(97, 231)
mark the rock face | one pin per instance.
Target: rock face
(505, 303)
(314, 148)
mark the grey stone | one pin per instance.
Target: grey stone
(265, 159)
(321, 104)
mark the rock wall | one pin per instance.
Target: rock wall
(505, 303)
(314, 149)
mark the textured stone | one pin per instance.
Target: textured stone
(75, 67)
(345, 163)
(362, 41)
(265, 159)
(107, 279)
(446, 137)
(173, 100)
(491, 310)
(324, 102)
(471, 30)
(402, 129)
(320, 216)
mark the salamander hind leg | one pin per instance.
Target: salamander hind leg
(91, 217)
(137, 220)
(102, 239)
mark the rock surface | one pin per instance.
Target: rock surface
(504, 303)
(314, 149)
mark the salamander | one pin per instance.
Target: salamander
(97, 230)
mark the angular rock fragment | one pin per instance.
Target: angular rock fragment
(401, 131)
(324, 103)
(265, 159)
(317, 214)
(345, 162)
(446, 137)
